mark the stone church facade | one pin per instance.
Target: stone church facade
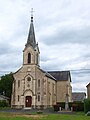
(34, 87)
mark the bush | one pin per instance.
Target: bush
(3, 103)
(61, 104)
(77, 106)
(56, 108)
(87, 105)
(39, 112)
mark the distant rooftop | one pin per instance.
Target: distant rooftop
(4, 97)
(78, 96)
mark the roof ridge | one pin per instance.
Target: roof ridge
(60, 71)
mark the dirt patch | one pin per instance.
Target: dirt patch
(31, 116)
(23, 115)
(34, 116)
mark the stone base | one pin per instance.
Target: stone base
(27, 108)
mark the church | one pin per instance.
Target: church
(35, 88)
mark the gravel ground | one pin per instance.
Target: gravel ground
(32, 111)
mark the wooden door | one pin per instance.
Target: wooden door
(28, 101)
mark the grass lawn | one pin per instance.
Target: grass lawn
(13, 116)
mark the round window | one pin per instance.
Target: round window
(28, 79)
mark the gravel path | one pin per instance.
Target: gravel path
(45, 111)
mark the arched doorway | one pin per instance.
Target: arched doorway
(28, 101)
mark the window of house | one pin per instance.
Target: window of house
(38, 83)
(28, 79)
(37, 59)
(49, 86)
(18, 98)
(18, 83)
(29, 58)
(38, 98)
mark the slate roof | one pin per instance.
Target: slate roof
(78, 96)
(31, 36)
(60, 75)
(4, 97)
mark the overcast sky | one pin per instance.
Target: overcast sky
(62, 29)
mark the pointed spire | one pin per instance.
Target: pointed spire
(31, 36)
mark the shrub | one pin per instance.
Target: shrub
(39, 112)
(61, 104)
(56, 108)
(77, 106)
(87, 105)
(3, 103)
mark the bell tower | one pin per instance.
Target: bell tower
(31, 50)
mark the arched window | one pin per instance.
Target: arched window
(18, 98)
(28, 79)
(29, 58)
(38, 98)
(18, 83)
(38, 83)
(37, 59)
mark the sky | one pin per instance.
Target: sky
(62, 30)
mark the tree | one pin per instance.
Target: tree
(6, 85)
(87, 105)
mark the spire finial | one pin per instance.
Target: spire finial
(31, 14)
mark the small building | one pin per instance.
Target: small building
(88, 90)
(78, 96)
(4, 98)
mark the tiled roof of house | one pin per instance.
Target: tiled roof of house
(60, 75)
(76, 96)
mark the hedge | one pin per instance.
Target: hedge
(87, 105)
(76, 106)
(3, 103)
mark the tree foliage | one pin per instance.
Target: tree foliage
(3, 103)
(87, 105)
(6, 85)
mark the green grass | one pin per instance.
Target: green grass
(68, 117)
(80, 113)
(13, 116)
(5, 108)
